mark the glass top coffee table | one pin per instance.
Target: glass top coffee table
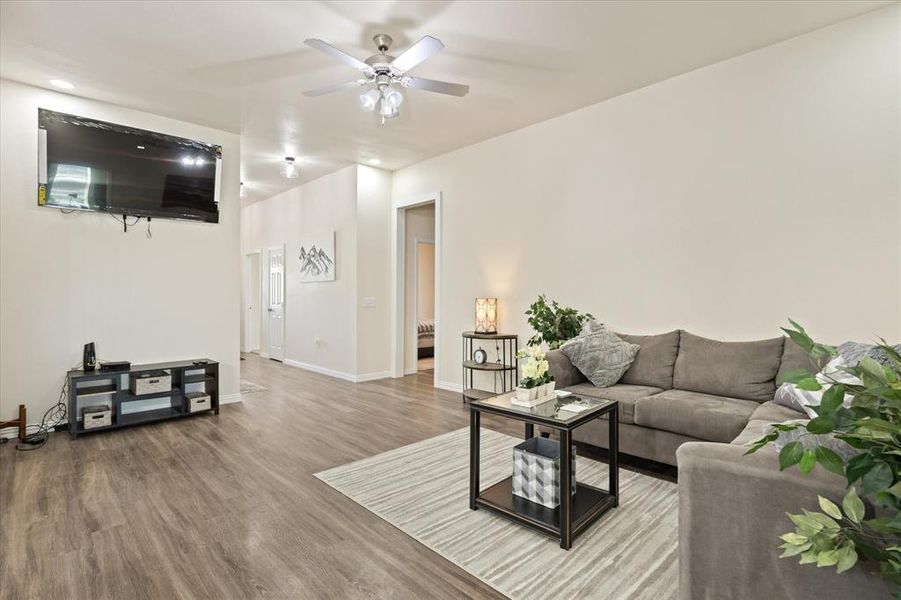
(576, 512)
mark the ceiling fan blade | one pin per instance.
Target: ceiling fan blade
(417, 53)
(431, 85)
(337, 87)
(335, 53)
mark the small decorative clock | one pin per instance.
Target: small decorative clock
(480, 357)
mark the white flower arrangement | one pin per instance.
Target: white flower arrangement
(535, 367)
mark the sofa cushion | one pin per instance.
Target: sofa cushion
(745, 370)
(774, 413)
(702, 416)
(793, 358)
(600, 355)
(625, 394)
(653, 365)
(762, 420)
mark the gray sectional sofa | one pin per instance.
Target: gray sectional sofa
(698, 403)
(685, 388)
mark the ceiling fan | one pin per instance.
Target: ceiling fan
(384, 73)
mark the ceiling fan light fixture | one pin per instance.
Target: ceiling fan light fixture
(393, 97)
(388, 110)
(370, 99)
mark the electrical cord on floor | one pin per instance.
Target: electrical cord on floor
(55, 415)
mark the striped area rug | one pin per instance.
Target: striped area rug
(423, 490)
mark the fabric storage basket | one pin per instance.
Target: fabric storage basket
(93, 417)
(151, 383)
(197, 401)
(536, 471)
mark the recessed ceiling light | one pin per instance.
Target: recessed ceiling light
(374, 161)
(140, 147)
(62, 84)
(290, 168)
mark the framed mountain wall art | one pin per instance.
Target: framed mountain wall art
(317, 258)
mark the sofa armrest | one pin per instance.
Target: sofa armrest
(563, 371)
(732, 511)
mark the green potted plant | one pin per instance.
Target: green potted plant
(554, 324)
(864, 411)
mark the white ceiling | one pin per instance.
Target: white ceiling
(241, 66)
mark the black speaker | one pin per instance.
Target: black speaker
(90, 357)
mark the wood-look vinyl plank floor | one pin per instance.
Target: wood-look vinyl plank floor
(227, 506)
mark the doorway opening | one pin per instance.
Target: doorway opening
(253, 302)
(424, 301)
(416, 273)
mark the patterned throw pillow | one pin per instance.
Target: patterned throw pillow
(810, 441)
(854, 352)
(600, 355)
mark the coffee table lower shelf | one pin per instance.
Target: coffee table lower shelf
(589, 504)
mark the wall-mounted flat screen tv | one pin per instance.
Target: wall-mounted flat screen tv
(85, 164)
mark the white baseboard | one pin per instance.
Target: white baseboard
(451, 387)
(373, 376)
(230, 398)
(412, 371)
(337, 374)
(263, 354)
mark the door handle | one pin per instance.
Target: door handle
(270, 309)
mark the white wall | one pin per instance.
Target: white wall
(373, 274)
(425, 281)
(355, 203)
(69, 279)
(323, 310)
(419, 224)
(721, 201)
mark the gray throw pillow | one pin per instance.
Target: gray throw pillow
(600, 355)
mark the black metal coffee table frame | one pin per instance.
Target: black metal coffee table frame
(576, 511)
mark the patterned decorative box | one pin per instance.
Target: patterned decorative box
(536, 471)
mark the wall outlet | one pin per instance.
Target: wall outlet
(317, 341)
(369, 302)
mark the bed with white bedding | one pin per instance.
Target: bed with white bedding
(425, 340)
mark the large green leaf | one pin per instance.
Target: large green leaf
(853, 506)
(829, 507)
(832, 399)
(857, 466)
(830, 460)
(847, 558)
(790, 455)
(809, 384)
(827, 558)
(808, 462)
(879, 477)
(820, 425)
(794, 376)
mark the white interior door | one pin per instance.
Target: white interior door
(253, 317)
(276, 308)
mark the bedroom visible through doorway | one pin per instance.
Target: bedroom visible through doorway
(425, 305)
(419, 259)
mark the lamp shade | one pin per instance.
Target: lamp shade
(486, 315)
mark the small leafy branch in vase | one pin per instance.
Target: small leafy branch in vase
(863, 410)
(554, 324)
(535, 368)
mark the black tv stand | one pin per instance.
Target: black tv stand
(112, 388)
